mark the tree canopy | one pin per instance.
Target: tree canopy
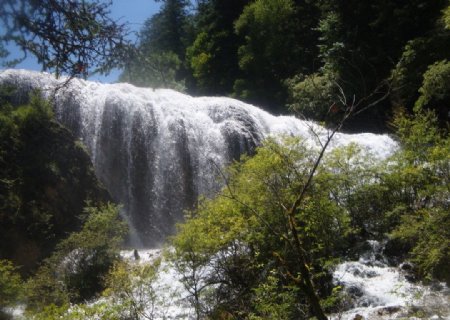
(250, 251)
(66, 36)
(298, 56)
(265, 246)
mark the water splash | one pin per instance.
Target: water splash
(156, 151)
(376, 290)
(171, 299)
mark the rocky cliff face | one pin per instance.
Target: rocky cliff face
(46, 177)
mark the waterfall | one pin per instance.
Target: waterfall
(157, 151)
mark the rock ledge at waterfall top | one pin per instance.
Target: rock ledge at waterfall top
(157, 151)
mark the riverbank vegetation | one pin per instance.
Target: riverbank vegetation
(254, 251)
(265, 246)
(239, 253)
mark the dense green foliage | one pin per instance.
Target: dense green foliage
(130, 294)
(132, 291)
(11, 287)
(75, 272)
(360, 45)
(265, 246)
(256, 250)
(45, 179)
(423, 168)
(238, 253)
(313, 95)
(212, 55)
(435, 89)
(277, 43)
(308, 55)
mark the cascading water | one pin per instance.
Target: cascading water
(373, 289)
(156, 151)
(378, 291)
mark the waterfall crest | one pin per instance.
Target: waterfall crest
(156, 151)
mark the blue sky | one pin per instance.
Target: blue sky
(135, 12)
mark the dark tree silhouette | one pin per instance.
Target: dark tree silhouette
(73, 37)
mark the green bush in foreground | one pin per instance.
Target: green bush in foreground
(76, 270)
(243, 236)
(236, 251)
(11, 287)
(422, 175)
(130, 294)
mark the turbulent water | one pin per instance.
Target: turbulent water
(156, 151)
(375, 290)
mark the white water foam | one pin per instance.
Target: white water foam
(379, 291)
(157, 151)
(171, 296)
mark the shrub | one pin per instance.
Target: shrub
(11, 287)
(76, 270)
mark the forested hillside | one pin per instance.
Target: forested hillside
(270, 214)
(302, 56)
(46, 179)
(49, 197)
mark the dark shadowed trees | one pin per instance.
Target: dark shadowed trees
(66, 36)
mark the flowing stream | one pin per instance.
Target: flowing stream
(156, 151)
(376, 290)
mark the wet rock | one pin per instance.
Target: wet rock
(355, 291)
(395, 251)
(369, 274)
(52, 178)
(136, 255)
(411, 277)
(388, 310)
(409, 271)
(437, 286)
(358, 248)
(372, 263)
(379, 257)
(355, 271)
(406, 266)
